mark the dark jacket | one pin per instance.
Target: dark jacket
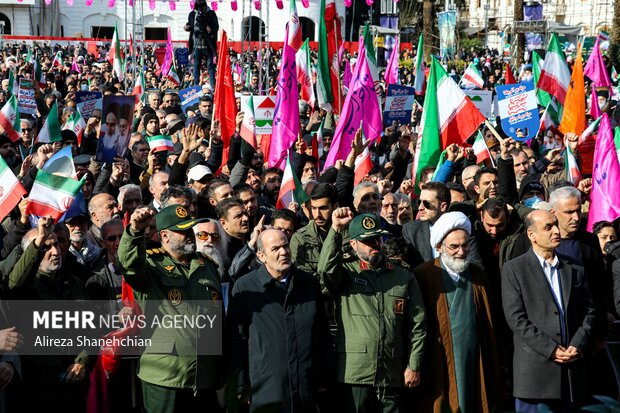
(533, 316)
(279, 339)
(211, 21)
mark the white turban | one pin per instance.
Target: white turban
(447, 223)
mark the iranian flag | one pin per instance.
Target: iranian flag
(472, 78)
(371, 59)
(52, 195)
(363, 163)
(173, 76)
(573, 175)
(448, 117)
(585, 135)
(481, 149)
(138, 88)
(294, 28)
(554, 76)
(39, 77)
(57, 62)
(328, 94)
(115, 58)
(291, 189)
(12, 84)
(77, 124)
(248, 127)
(160, 143)
(11, 190)
(420, 77)
(50, 132)
(9, 119)
(30, 58)
(304, 73)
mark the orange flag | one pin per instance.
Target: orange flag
(224, 105)
(574, 113)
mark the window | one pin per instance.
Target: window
(253, 29)
(307, 28)
(7, 23)
(102, 32)
(155, 33)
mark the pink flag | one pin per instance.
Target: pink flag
(74, 66)
(286, 114)
(360, 105)
(595, 112)
(165, 67)
(305, 3)
(172, 5)
(233, 5)
(346, 76)
(391, 73)
(595, 68)
(605, 197)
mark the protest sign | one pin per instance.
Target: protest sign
(483, 99)
(518, 110)
(264, 107)
(25, 98)
(87, 102)
(115, 127)
(190, 98)
(398, 104)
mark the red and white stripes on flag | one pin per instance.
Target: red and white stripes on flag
(52, 195)
(11, 190)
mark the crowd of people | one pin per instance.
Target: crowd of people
(477, 289)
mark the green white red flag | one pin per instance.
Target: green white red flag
(138, 88)
(481, 149)
(554, 75)
(11, 190)
(173, 76)
(115, 56)
(52, 195)
(9, 119)
(77, 124)
(39, 77)
(573, 175)
(57, 62)
(50, 132)
(291, 189)
(420, 77)
(304, 73)
(472, 78)
(248, 126)
(160, 143)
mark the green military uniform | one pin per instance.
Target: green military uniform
(380, 315)
(157, 277)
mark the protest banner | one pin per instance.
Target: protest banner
(25, 98)
(398, 104)
(115, 127)
(190, 98)
(518, 110)
(483, 99)
(87, 102)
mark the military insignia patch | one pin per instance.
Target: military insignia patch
(168, 268)
(215, 295)
(181, 212)
(175, 297)
(399, 306)
(368, 223)
(360, 281)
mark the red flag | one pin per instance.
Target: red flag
(334, 39)
(224, 105)
(509, 79)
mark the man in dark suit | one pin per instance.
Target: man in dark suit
(548, 306)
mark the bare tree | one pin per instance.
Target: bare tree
(614, 49)
(517, 58)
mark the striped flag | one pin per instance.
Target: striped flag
(294, 28)
(481, 149)
(77, 124)
(248, 127)
(420, 77)
(555, 76)
(57, 62)
(452, 121)
(172, 75)
(12, 84)
(52, 195)
(9, 119)
(50, 132)
(291, 189)
(39, 77)
(30, 58)
(472, 78)
(543, 97)
(589, 131)
(363, 163)
(138, 88)
(573, 175)
(114, 56)
(160, 143)
(11, 190)
(304, 73)
(328, 94)
(371, 59)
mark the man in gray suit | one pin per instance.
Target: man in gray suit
(548, 306)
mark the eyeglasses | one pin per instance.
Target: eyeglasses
(428, 205)
(456, 247)
(112, 238)
(203, 236)
(26, 129)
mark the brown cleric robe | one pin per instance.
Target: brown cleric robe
(438, 378)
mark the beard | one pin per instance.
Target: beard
(77, 236)
(182, 248)
(374, 260)
(215, 254)
(458, 265)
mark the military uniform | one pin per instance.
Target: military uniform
(157, 277)
(381, 321)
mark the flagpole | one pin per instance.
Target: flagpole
(493, 131)
(338, 68)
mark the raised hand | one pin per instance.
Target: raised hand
(341, 217)
(45, 228)
(140, 219)
(43, 154)
(10, 339)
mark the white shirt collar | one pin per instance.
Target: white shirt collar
(544, 263)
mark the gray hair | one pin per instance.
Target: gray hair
(363, 185)
(565, 192)
(111, 223)
(122, 191)
(152, 178)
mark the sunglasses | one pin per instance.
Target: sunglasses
(113, 238)
(26, 129)
(203, 236)
(428, 205)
